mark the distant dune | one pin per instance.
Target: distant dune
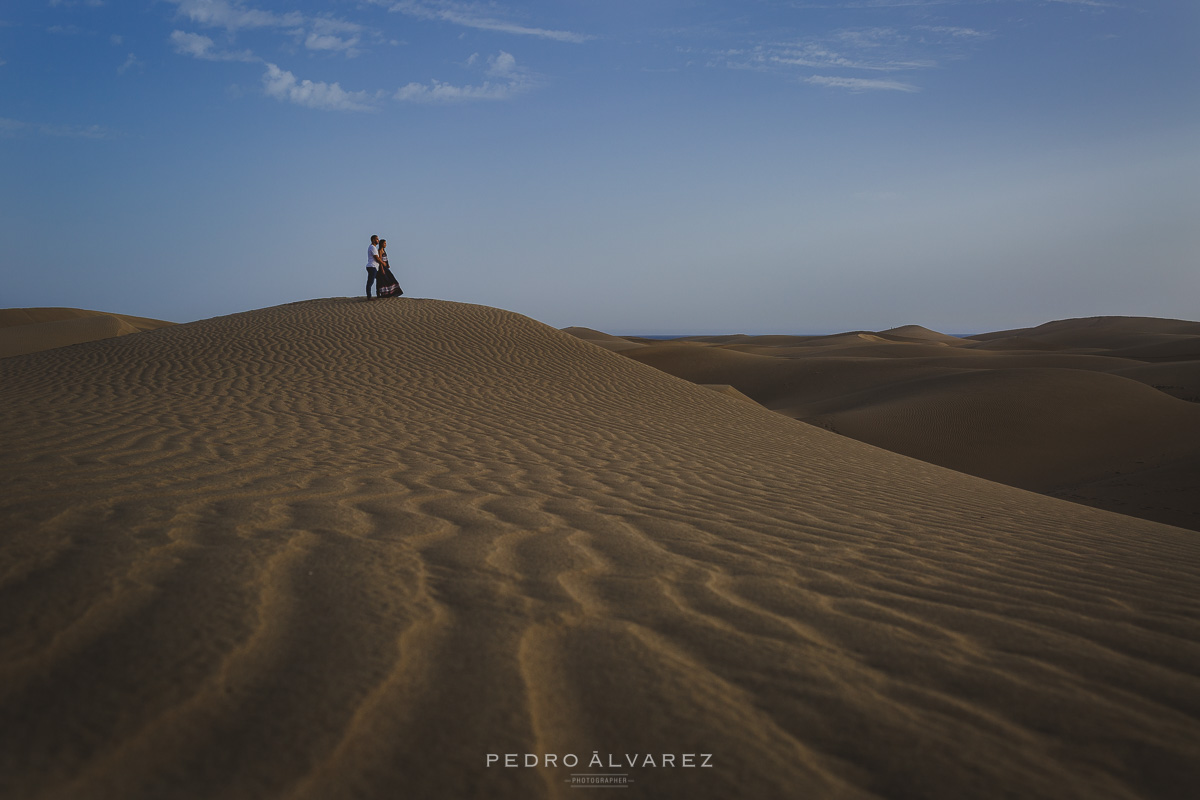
(918, 332)
(349, 549)
(605, 340)
(1104, 410)
(28, 330)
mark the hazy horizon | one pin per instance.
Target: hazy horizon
(678, 166)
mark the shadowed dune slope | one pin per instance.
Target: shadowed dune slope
(1039, 429)
(1178, 379)
(1011, 409)
(28, 330)
(778, 383)
(347, 549)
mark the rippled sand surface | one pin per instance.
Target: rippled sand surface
(347, 549)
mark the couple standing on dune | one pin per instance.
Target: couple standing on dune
(378, 271)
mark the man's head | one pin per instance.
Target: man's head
(374, 239)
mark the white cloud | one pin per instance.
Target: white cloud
(10, 127)
(233, 16)
(815, 56)
(15, 127)
(956, 32)
(130, 62)
(866, 51)
(860, 84)
(438, 92)
(869, 37)
(325, 33)
(282, 85)
(202, 47)
(116, 40)
(512, 80)
(76, 131)
(332, 26)
(480, 17)
(334, 35)
(874, 49)
(318, 42)
(502, 65)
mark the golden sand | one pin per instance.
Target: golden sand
(348, 549)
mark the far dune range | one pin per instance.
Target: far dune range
(351, 549)
(30, 330)
(1103, 411)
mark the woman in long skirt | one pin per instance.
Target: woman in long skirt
(386, 284)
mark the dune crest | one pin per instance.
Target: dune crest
(346, 548)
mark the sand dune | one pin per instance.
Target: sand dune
(1104, 326)
(1054, 408)
(1175, 348)
(1019, 343)
(1101, 332)
(1039, 429)
(10, 317)
(605, 340)
(348, 549)
(920, 332)
(1178, 379)
(28, 330)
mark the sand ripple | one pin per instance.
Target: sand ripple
(346, 549)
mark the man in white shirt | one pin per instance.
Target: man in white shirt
(372, 265)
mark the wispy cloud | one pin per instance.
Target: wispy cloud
(480, 17)
(69, 30)
(501, 76)
(860, 84)
(131, 61)
(234, 16)
(335, 35)
(283, 85)
(1093, 3)
(202, 47)
(955, 32)
(15, 127)
(437, 92)
(869, 50)
(76, 131)
(320, 33)
(881, 4)
(509, 81)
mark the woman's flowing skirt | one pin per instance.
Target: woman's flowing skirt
(386, 284)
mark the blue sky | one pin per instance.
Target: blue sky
(648, 166)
